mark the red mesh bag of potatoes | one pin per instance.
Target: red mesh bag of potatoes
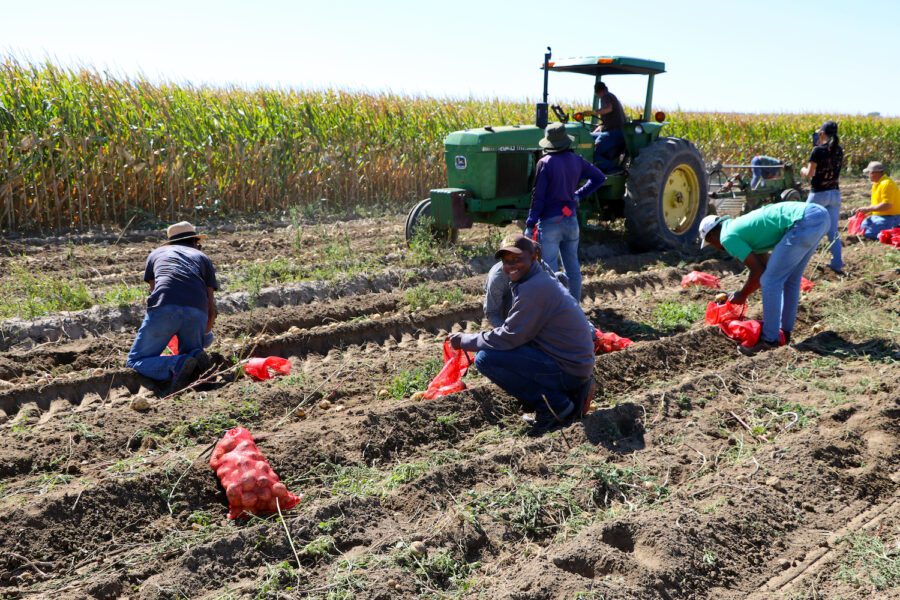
(606, 342)
(747, 332)
(263, 368)
(854, 224)
(250, 483)
(890, 237)
(716, 313)
(449, 380)
(700, 278)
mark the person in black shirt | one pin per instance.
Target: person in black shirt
(824, 170)
(609, 139)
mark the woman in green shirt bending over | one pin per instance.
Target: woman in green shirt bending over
(776, 243)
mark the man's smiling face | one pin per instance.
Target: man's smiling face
(516, 266)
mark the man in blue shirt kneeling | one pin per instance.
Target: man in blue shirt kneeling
(182, 283)
(543, 353)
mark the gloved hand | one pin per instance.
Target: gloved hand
(737, 298)
(531, 232)
(455, 340)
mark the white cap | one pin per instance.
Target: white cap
(708, 223)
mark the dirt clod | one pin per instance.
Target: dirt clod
(140, 404)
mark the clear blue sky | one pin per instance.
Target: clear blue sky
(764, 56)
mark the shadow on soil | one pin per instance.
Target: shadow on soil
(829, 343)
(618, 429)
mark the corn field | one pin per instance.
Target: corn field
(80, 148)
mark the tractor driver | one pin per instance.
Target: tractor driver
(609, 139)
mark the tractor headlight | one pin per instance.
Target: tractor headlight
(638, 129)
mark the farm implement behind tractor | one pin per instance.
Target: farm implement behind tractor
(732, 190)
(660, 188)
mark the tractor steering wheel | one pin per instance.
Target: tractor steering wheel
(560, 113)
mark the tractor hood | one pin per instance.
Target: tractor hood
(509, 138)
(498, 162)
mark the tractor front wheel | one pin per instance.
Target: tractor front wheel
(665, 197)
(419, 217)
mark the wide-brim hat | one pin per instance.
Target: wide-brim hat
(182, 231)
(515, 244)
(708, 223)
(874, 167)
(555, 138)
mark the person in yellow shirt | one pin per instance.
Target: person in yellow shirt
(884, 210)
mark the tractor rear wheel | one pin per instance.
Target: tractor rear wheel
(420, 216)
(665, 196)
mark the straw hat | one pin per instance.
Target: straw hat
(182, 231)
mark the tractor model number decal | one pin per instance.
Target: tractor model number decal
(461, 162)
(507, 149)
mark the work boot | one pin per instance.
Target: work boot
(760, 346)
(204, 362)
(545, 421)
(584, 397)
(183, 377)
(787, 338)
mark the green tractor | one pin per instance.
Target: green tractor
(661, 189)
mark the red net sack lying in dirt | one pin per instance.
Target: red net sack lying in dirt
(449, 380)
(607, 342)
(746, 332)
(890, 237)
(716, 314)
(700, 278)
(854, 224)
(250, 483)
(806, 284)
(264, 368)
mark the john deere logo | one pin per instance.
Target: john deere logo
(460, 162)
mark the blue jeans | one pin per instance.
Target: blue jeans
(875, 224)
(559, 236)
(530, 375)
(780, 281)
(608, 145)
(761, 168)
(158, 327)
(831, 200)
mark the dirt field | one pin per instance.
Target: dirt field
(700, 473)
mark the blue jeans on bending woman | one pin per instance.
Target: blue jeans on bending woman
(530, 375)
(780, 282)
(831, 201)
(558, 236)
(158, 327)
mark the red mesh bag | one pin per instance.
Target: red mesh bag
(890, 237)
(806, 284)
(716, 314)
(746, 332)
(700, 278)
(449, 380)
(607, 342)
(263, 368)
(172, 346)
(250, 483)
(854, 224)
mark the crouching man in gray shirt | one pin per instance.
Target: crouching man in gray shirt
(543, 353)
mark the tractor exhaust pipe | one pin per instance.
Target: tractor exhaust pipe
(542, 116)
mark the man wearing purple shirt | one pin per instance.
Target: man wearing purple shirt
(555, 199)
